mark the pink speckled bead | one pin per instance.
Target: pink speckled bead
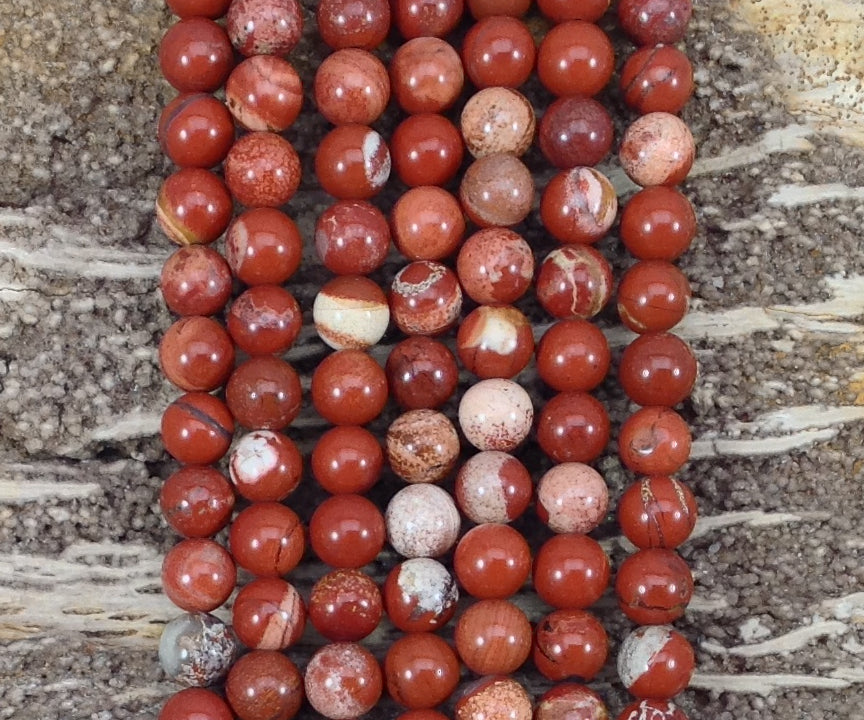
(422, 446)
(422, 521)
(497, 190)
(494, 697)
(351, 86)
(572, 498)
(657, 149)
(575, 281)
(496, 414)
(263, 93)
(351, 313)
(495, 266)
(579, 205)
(262, 170)
(265, 27)
(343, 681)
(495, 341)
(493, 487)
(498, 120)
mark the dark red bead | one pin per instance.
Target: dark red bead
(493, 637)
(657, 369)
(199, 8)
(426, 76)
(575, 58)
(427, 150)
(264, 394)
(573, 427)
(653, 296)
(559, 11)
(570, 643)
(353, 23)
(263, 247)
(492, 561)
(655, 661)
(195, 280)
(345, 605)
(498, 51)
(654, 441)
(193, 207)
(352, 162)
(484, 8)
(195, 55)
(197, 501)
(267, 539)
(574, 282)
(495, 266)
(197, 429)
(352, 237)
(654, 586)
(495, 341)
(198, 575)
(195, 704)
(575, 131)
(264, 685)
(196, 354)
(351, 86)
(658, 223)
(264, 93)
(196, 130)
(421, 670)
(349, 388)
(421, 373)
(268, 614)
(573, 355)
(651, 22)
(657, 512)
(657, 79)
(571, 571)
(347, 531)
(265, 319)
(265, 27)
(425, 298)
(422, 18)
(347, 459)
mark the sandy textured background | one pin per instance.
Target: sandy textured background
(776, 271)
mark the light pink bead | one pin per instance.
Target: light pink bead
(572, 498)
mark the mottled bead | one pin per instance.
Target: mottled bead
(653, 296)
(492, 561)
(264, 92)
(345, 605)
(353, 23)
(658, 223)
(657, 79)
(347, 531)
(264, 319)
(197, 428)
(572, 498)
(263, 247)
(198, 8)
(570, 643)
(496, 414)
(421, 670)
(427, 150)
(197, 649)
(267, 539)
(579, 205)
(195, 130)
(653, 586)
(484, 8)
(265, 466)
(420, 595)
(352, 237)
(657, 149)
(657, 512)
(349, 388)
(426, 76)
(422, 521)
(351, 86)
(573, 427)
(652, 709)
(654, 441)
(198, 575)
(495, 266)
(498, 51)
(347, 459)
(420, 18)
(493, 637)
(268, 614)
(421, 373)
(495, 341)
(352, 162)
(575, 131)
(575, 281)
(425, 298)
(570, 701)
(195, 280)
(657, 369)
(493, 698)
(427, 223)
(264, 685)
(571, 571)
(264, 393)
(193, 207)
(350, 312)
(650, 22)
(493, 487)
(422, 446)
(498, 120)
(575, 58)
(655, 662)
(343, 681)
(196, 354)
(573, 356)
(497, 190)
(196, 501)
(265, 27)
(262, 170)
(195, 704)
(559, 11)
(195, 55)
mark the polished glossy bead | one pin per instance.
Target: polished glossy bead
(195, 55)
(575, 281)
(352, 237)
(654, 441)
(559, 11)
(421, 670)
(263, 247)
(195, 704)
(575, 131)
(198, 8)
(351, 313)
(573, 427)
(196, 354)
(655, 662)
(351, 86)
(197, 429)
(493, 487)
(650, 22)
(653, 709)
(493, 698)
(265, 319)
(427, 223)
(265, 466)
(195, 130)
(420, 595)
(195, 280)
(575, 58)
(495, 266)
(497, 190)
(352, 162)
(657, 512)
(196, 501)
(422, 373)
(653, 296)
(570, 701)
(579, 205)
(658, 223)
(498, 51)
(193, 207)
(265, 27)
(264, 92)
(426, 76)
(422, 446)
(425, 298)
(264, 394)
(427, 150)
(654, 586)
(349, 388)
(347, 459)
(484, 8)
(345, 605)
(657, 369)
(492, 561)
(422, 521)
(198, 575)
(498, 120)
(353, 23)
(496, 414)
(573, 355)
(657, 149)
(570, 643)
(268, 614)
(262, 170)
(343, 681)
(197, 649)
(495, 341)
(264, 685)
(493, 637)
(572, 498)
(657, 79)
(347, 531)
(420, 18)
(267, 539)
(571, 571)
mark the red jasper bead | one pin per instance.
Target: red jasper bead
(559, 11)
(196, 354)
(263, 93)
(425, 298)
(493, 637)
(198, 575)
(420, 595)
(570, 643)
(658, 223)
(198, 8)
(193, 207)
(498, 51)
(343, 681)
(497, 190)
(427, 223)
(267, 539)
(579, 205)
(196, 501)
(495, 341)
(653, 22)
(268, 614)
(426, 75)
(352, 237)
(347, 459)
(570, 701)
(264, 393)
(654, 586)
(264, 685)
(349, 388)
(263, 247)
(427, 150)
(484, 8)
(493, 487)
(573, 355)
(494, 697)
(657, 79)
(347, 531)
(575, 58)
(422, 446)
(657, 149)
(656, 662)
(195, 130)
(195, 704)
(657, 512)
(352, 162)
(197, 429)
(495, 266)
(653, 296)
(195, 280)
(262, 170)
(353, 23)
(345, 605)
(662, 709)
(575, 131)
(351, 86)
(265, 27)
(265, 319)
(422, 18)
(654, 441)
(571, 571)
(421, 670)
(657, 369)
(572, 498)
(265, 466)
(492, 561)
(575, 281)
(195, 55)
(421, 373)
(573, 427)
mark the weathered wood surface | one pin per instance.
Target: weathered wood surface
(776, 322)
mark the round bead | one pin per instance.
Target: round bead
(349, 23)
(265, 27)
(484, 8)
(352, 162)
(345, 605)
(196, 501)
(352, 237)
(197, 649)
(351, 86)
(655, 662)
(575, 58)
(426, 149)
(264, 394)
(347, 531)
(193, 207)
(349, 388)
(575, 281)
(657, 512)
(498, 120)
(351, 313)
(658, 223)
(572, 498)
(427, 223)
(347, 459)
(654, 586)
(559, 11)
(265, 466)
(653, 296)
(573, 356)
(426, 75)
(575, 131)
(495, 266)
(498, 51)
(421, 373)
(657, 369)
(264, 92)
(265, 319)
(196, 354)
(494, 698)
(573, 427)
(655, 21)
(493, 487)
(492, 561)
(268, 614)
(654, 441)
(422, 521)
(195, 130)
(264, 685)
(420, 18)
(422, 446)
(420, 595)
(421, 670)
(263, 247)
(262, 170)
(571, 571)
(267, 539)
(493, 637)
(343, 681)
(657, 79)
(195, 704)
(195, 55)
(425, 298)
(657, 149)
(570, 643)
(579, 205)
(195, 280)
(198, 575)
(570, 701)
(495, 341)
(198, 8)
(497, 190)
(197, 429)
(496, 414)
(660, 709)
